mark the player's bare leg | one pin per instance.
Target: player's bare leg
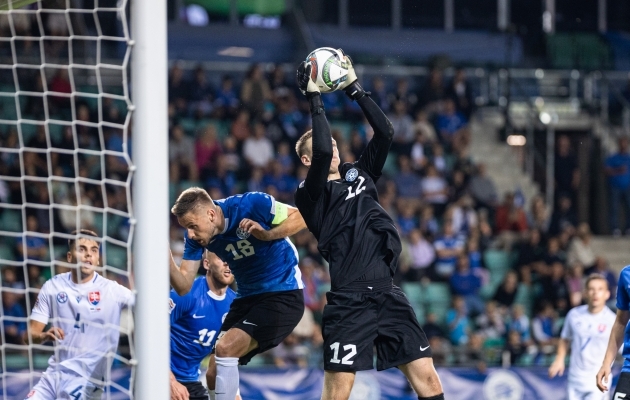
(337, 385)
(423, 377)
(230, 347)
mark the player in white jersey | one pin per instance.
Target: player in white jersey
(586, 330)
(83, 309)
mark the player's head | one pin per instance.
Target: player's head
(304, 149)
(196, 212)
(218, 270)
(597, 292)
(84, 250)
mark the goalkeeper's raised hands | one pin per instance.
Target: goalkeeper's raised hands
(305, 82)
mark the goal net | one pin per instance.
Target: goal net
(65, 164)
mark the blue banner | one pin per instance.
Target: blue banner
(306, 384)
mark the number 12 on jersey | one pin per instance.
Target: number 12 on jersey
(360, 188)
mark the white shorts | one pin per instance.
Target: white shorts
(578, 392)
(64, 385)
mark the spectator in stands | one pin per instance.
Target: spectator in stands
(506, 292)
(554, 254)
(418, 158)
(519, 322)
(232, 155)
(463, 215)
(181, 149)
(256, 181)
(618, 170)
(402, 93)
(406, 221)
(223, 178)
(404, 134)
(475, 354)
(240, 128)
(408, 183)
(531, 254)
(457, 186)
(200, 94)
(226, 101)
(452, 127)
(543, 329)
(34, 247)
(433, 92)
(510, 223)
(290, 353)
(538, 217)
(11, 280)
(581, 250)
(11, 307)
(464, 282)
(423, 126)
(258, 150)
(490, 324)
(422, 256)
(575, 283)
(515, 347)
(482, 189)
(428, 222)
(285, 184)
(431, 328)
(457, 322)
(435, 189)
(255, 91)
(177, 243)
(563, 217)
(566, 170)
(60, 83)
(554, 288)
(459, 91)
(448, 248)
(438, 159)
(379, 93)
(601, 267)
(314, 280)
(177, 89)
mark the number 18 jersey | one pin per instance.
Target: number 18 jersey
(353, 230)
(258, 266)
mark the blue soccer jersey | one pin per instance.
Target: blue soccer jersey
(258, 266)
(196, 320)
(623, 303)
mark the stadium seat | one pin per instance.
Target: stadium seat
(414, 292)
(497, 261)
(390, 168)
(525, 297)
(28, 132)
(56, 132)
(344, 127)
(6, 253)
(189, 125)
(11, 220)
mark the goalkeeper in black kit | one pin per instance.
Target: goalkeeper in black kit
(359, 241)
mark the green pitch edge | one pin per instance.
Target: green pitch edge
(4, 4)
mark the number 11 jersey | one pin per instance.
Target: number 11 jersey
(354, 232)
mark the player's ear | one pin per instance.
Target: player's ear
(69, 256)
(305, 160)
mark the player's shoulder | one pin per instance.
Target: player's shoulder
(59, 280)
(577, 312)
(231, 294)
(624, 275)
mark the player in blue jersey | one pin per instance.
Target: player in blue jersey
(249, 232)
(196, 320)
(619, 335)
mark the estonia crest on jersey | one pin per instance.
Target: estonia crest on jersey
(242, 233)
(352, 175)
(94, 297)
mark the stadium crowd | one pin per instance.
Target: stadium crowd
(490, 278)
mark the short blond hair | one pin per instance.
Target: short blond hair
(301, 147)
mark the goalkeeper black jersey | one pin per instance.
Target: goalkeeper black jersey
(354, 232)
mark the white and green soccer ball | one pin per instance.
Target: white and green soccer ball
(329, 68)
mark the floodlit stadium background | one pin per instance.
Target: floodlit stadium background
(505, 113)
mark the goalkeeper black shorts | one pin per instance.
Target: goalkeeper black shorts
(268, 317)
(358, 319)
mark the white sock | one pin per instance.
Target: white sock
(227, 378)
(212, 394)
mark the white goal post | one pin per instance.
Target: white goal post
(149, 78)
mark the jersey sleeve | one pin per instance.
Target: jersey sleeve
(373, 158)
(623, 300)
(262, 207)
(179, 305)
(567, 331)
(41, 310)
(125, 297)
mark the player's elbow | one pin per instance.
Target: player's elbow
(389, 131)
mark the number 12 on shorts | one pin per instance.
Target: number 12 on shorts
(346, 360)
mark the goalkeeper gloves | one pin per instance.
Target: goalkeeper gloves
(304, 80)
(351, 85)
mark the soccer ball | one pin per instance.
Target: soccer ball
(329, 68)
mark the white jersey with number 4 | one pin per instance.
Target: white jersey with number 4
(89, 314)
(588, 334)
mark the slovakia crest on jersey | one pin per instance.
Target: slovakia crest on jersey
(62, 297)
(30, 394)
(352, 175)
(601, 328)
(94, 298)
(242, 233)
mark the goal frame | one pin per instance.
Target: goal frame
(149, 77)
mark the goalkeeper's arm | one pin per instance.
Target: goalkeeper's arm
(374, 156)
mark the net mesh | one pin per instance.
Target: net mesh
(65, 164)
